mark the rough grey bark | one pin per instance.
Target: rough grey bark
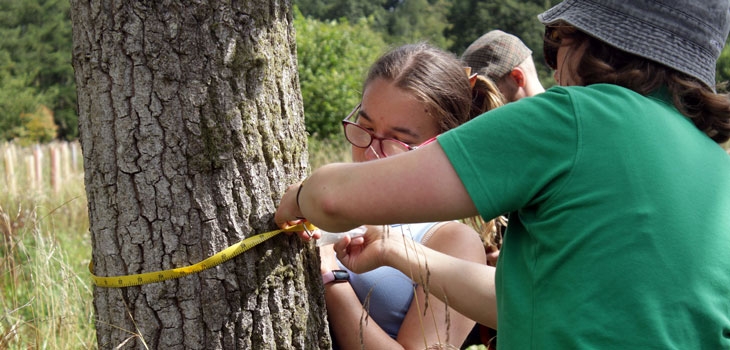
(191, 126)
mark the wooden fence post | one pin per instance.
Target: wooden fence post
(9, 168)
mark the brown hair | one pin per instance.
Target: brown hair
(435, 77)
(601, 63)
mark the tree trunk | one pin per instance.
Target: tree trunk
(192, 126)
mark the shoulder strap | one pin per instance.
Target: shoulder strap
(433, 229)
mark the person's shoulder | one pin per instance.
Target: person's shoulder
(589, 91)
(451, 229)
(555, 95)
(578, 94)
(456, 239)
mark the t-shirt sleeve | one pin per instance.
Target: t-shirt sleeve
(507, 156)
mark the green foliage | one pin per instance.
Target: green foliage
(337, 41)
(35, 64)
(353, 11)
(333, 59)
(518, 17)
(723, 65)
(325, 151)
(17, 97)
(451, 25)
(38, 126)
(420, 20)
(397, 21)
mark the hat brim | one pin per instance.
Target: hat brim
(637, 35)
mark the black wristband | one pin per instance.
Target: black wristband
(335, 276)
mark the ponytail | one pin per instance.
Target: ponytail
(485, 97)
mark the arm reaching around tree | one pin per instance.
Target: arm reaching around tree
(341, 196)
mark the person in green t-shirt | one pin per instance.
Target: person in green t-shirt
(617, 187)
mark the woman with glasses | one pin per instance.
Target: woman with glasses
(616, 183)
(411, 94)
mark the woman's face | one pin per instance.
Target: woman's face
(389, 112)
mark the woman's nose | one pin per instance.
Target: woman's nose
(374, 151)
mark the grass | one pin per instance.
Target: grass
(45, 293)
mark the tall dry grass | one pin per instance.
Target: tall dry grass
(45, 292)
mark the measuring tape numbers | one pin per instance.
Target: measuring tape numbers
(215, 260)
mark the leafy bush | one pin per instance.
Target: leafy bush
(333, 59)
(39, 126)
(17, 97)
(35, 52)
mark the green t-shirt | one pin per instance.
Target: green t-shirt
(619, 232)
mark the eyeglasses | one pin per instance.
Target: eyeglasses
(550, 44)
(363, 138)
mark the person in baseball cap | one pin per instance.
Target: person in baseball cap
(615, 181)
(504, 59)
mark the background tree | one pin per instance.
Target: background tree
(333, 59)
(191, 127)
(472, 18)
(36, 45)
(351, 10)
(35, 50)
(419, 20)
(16, 98)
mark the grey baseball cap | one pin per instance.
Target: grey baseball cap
(685, 35)
(495, 53)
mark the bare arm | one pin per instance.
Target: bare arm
(417, 186)
(348, 319)
(428, 319)
(427, 322)
(468, 287)
(350, 323)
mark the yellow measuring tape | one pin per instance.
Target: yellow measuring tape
(215, 260)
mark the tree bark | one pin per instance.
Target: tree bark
(191, 125)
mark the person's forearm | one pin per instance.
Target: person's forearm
(339, 197)
(466, 286)
(350, 323)
(320, 199)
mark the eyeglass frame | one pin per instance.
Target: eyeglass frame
(346, 122)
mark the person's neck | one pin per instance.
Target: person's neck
(533, 87)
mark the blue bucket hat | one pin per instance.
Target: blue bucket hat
(685, 35)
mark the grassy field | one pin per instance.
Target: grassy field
(45, 290)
